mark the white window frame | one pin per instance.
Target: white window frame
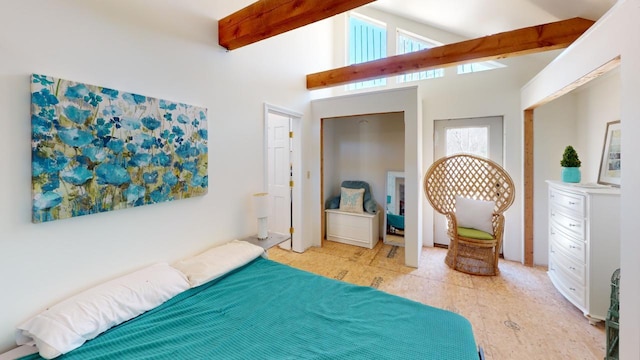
(418, 75)
(481, 66)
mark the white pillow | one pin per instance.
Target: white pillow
(475, 214)
(218, 261)
(352, 200)
(68, 324)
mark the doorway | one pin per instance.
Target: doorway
(481, 136)
(282, 173)
(364, 148)
(405, 100)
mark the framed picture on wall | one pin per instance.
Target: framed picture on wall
(610, 161)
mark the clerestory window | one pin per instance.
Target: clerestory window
(479, 66)
(408, 43)
(367, 41)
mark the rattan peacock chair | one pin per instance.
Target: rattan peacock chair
(471, 177)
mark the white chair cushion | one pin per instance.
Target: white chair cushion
(475, 214)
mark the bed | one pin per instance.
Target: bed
(268, 310)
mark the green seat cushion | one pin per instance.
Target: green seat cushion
(474, 234)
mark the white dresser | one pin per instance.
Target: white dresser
(352, 228)
(584, 244)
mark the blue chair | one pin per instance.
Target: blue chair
(395, 221)
(370, 205)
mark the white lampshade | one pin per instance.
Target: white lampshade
(261, 207)
(261, 204)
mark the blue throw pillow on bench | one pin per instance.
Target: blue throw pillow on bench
(370, 204)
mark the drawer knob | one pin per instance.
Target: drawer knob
(571, 203)
(552, 233)
(572, 289)
(573, 225)
(571, 268)
(572, 247)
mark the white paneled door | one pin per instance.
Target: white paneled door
(478, 136)
(282, 174)
(279, 174)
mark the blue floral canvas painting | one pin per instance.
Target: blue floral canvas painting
(96, 149)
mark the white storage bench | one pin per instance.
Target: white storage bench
(352, 228)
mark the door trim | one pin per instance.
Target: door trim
(495, 126)
(297, 244)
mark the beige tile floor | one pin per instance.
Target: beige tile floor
(516, 315)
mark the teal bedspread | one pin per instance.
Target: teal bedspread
(266, 310)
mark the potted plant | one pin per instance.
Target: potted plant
(570, 165)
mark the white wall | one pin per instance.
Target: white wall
(615, 34)
(554, 128)
(578, 119)
(597, 103)
(363, 148)
(397, 100)
(489, 93)
(161, 48)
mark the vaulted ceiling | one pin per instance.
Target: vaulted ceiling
(530, 40)
(493, 24)
(476, 18)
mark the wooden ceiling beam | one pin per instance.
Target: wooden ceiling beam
(551, 36)
(266, 18)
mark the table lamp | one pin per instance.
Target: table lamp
(261, 207)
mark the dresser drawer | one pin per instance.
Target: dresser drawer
(566, 264)
(573, 291)
(571, 224)
(573, 247)
(573, 202)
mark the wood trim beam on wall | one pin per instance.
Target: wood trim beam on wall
(534, 39)
(322, 213)
(266, 18)
(528, 187)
